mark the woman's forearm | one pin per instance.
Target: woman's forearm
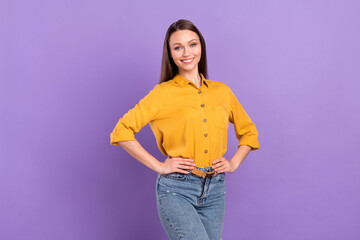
(239, 156)
(139, 153)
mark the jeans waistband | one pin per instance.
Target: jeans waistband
(204, 169)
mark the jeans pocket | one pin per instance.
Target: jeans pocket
(221, 176)
(176, 176)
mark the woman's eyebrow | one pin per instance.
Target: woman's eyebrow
(188, 41)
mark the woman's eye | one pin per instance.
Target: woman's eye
(176, 48)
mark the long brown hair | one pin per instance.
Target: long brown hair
(168, 66)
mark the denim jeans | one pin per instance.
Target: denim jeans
(191, 207)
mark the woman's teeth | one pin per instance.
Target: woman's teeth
(187, 61)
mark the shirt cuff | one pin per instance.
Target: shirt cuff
(121, 136)
(251, 142)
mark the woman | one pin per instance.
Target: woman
(189, 116)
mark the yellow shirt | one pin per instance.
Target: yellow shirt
(188, 121)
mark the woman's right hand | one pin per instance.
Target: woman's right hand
(177, 164)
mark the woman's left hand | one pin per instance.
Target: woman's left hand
(221, 165)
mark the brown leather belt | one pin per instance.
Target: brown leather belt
(202, 173)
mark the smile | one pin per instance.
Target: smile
(187, 60)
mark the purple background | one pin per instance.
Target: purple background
(70, 69)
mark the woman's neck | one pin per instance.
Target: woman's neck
(192, 76)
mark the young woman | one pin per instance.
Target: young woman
(189, 116)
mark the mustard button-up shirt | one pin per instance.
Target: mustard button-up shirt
(188, 121)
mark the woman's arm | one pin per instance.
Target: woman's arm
(221, 165)
(139, 153)
(171, 164)
(239, 156)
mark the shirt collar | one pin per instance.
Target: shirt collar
(184, 81)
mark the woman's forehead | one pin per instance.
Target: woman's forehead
(183, 37)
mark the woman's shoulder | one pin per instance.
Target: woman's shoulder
(218, 84)
(162, 88)
(166, 84)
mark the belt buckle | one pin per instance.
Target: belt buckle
(209, 174)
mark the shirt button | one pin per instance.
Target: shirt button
(205, 134)
(202, 105)
(199, 91)
(205, 120)
(205, 151)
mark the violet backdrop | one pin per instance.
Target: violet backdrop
(70, 69)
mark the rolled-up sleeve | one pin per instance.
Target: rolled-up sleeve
(136, 118)
(245, 129)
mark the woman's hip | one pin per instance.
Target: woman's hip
(195, 189)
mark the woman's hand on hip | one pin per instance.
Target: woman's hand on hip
(177, 164)
(221, 165)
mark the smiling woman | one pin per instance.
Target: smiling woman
(189, 116)
(185, 54)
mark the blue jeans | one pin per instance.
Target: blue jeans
(191, 207)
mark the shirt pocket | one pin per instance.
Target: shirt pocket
(221, 117)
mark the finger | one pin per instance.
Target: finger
(222, 169)
(219, 164)
(216, 161)
(184, 159)
(186, 167)
(216, 169)
(187, 162)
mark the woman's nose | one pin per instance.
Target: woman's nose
(186, 51)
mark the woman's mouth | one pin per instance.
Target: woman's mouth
(189, 60)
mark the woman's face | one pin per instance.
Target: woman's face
(185, 50)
